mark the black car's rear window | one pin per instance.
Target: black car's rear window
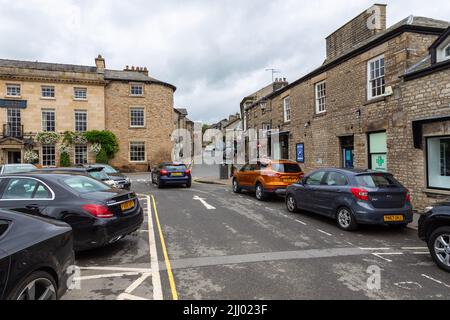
(175, 167)
(376, 181)
(82, 184)
(286, 167)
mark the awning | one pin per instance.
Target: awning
(417, 128)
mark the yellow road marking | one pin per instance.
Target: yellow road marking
(166, 256)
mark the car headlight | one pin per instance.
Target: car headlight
(428, 209)
(110, 183)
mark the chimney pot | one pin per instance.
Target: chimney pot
(100, 64)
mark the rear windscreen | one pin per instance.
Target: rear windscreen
(286, 167)
(175, 168)
(376, 181)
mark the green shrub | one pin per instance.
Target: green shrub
(102, 157)
(106, 139)
(64, 160)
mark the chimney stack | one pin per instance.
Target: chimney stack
(142, 70)
(100, 64)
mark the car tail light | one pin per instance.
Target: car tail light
(408, 196)
(187, 172)
(164, 172)
(98, 210)
(360, 194)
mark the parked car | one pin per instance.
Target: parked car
(434, 229)
(35, 254)
(120, 180)
(267, 177)
(352, 197)
(98, 214)
(170, 173)
(16, 168)
(96, 173)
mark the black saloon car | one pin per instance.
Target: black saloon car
(96, 173)
(434, 229)
(35, 254)
(119, 179)
(170, 173)
(352, 197)
(97, 214)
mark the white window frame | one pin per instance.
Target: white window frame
(136, 85)
(75, 120)
(287, 109)
(54, 156)
(321, 96)
(370, 96)
(80, 89)
(44, 129)
(14, 85)
(129, 152)
(51, 90)
(83, 154)
(131, 118)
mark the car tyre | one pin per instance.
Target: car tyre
(160, 184)
(188, 185)
(236, 188)
(260, 193)
(39, 285)
(346, 219)
(439, 245)
(291, 204)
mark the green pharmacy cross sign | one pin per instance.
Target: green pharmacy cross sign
(380, 161)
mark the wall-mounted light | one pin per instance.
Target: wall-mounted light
(307, 124)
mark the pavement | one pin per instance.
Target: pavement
(205, 242)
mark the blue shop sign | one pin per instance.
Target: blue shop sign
(300, 153)
(17, 104)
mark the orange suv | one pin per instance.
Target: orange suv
(267, 177)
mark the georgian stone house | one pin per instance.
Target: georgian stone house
(380, 101)
(46, 97)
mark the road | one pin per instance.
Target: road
(220, 245)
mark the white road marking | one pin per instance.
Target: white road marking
(207, 206)
(321, 231)
(270, 209)
(156, 278)
(109, 275)
(414, 248)
(138, 282)
(381, 254)
(139, 270)
(375, 249)
(301, 222)
(437, 281)
(419, 253)
(407, 285)
(127, 296)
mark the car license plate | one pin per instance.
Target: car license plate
(127, 205)
(394, 218)
(176, 174)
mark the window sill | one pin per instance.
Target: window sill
(318, 115)
(136, 96)
(437, 191)
(81, 100)
(132, 128)
(13, 97)
(139, 162)
(375, 100)
(47, 98)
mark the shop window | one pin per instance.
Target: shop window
(378, 151)
(438, 162)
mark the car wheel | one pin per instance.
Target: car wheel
(38, 286)
(188, 185)
(160, 184)
(153, 180)
(439, 244)
(236, 188)
(346, 220)
(259, 192)
(291, 204)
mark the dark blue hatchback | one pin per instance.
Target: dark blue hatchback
(170, 173)
(352, 197)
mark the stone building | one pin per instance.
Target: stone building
(47, 97)
(353, 110)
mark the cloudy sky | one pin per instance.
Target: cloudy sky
(214, 51)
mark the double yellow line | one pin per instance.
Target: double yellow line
(166, 255)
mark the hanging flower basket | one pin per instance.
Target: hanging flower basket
(47, 137)
(79, 139)
(30, 156)
(64, 148)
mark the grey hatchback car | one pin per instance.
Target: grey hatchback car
(352, 197)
